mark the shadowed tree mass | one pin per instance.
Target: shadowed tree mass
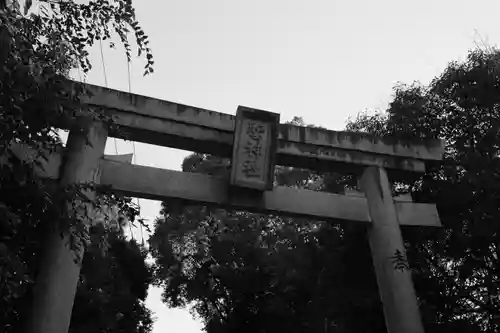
(38, 48)
(261, 273)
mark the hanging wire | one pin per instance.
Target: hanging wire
(138, 200)
(106, 84)
(129, 77)
(142, 235)
(130, 228)
(134, 154)
(103, 65)
(83, 77)
(114, 139)
(80, 73)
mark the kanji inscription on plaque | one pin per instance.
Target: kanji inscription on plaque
(254, 148)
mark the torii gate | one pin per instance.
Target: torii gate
(255, 141)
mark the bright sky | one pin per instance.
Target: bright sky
(324, 60)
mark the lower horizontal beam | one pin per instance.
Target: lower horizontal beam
(161, 184)
(118, 175)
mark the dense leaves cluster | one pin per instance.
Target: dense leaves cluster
(112, 290)
(40, 42)
(261, 273)
(253, 272)
(461, 106)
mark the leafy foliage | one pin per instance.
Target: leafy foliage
(112, 299)
(37, 51)
(257, 272)
(457, 271)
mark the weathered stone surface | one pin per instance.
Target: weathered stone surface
(180, 126)
(395, 284)
(254, 149)
(159, 184)
(364, 142)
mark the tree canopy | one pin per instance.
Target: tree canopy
(261, 273)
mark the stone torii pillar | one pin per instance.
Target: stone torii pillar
(57, 281)
(395, 285)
